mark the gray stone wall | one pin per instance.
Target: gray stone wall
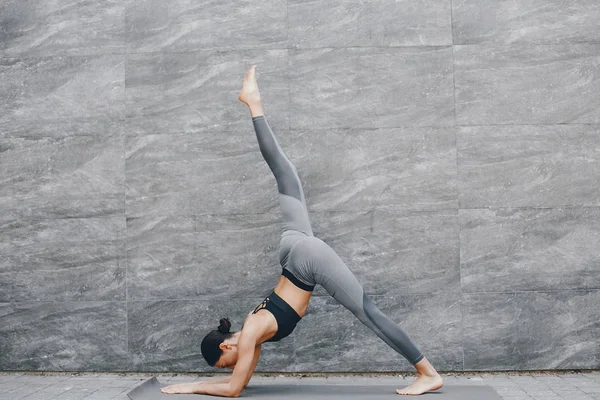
(449, 152)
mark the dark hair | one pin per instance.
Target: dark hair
(210, 344)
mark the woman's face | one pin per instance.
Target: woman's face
(229, 357)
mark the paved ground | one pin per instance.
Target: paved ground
(100, 386)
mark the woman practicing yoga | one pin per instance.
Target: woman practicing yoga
(306, 261)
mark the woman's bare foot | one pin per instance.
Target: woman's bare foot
(424, 383)
(249, 93)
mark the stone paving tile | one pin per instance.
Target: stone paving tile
(6, 386)
(107, 393)
(47, 393)
(75, 394)
(32, 379)
(22, 391)
(93, 383)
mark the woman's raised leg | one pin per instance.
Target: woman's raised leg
(291, 194)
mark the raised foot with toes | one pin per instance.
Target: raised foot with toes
(250, 93)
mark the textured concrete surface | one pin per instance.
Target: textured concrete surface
(448, 150)
(94, 386)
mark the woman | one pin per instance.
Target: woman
(306, 261)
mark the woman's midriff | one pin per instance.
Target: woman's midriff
(297, 298)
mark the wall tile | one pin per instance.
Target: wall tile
(203, 257)
(525, 84)
(531, 330)
(359, 169)
(182, 174)
(62, 259)
(73, 176)
(70, 336)
(61, 87)
(369, 23)
(237, 255)
(198, 91)
(184, 25)
(161, 257)
(529, 249)
(532, 21)
(48, 27)
(371, 87)
(529, 166)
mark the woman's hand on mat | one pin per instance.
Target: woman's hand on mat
(181, 388)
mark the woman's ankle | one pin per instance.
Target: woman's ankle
(256, 109)
(424, 367)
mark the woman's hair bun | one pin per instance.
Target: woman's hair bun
(224, 325)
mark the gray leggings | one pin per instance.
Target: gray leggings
(311, 261)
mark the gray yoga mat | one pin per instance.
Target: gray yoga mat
(150, 390)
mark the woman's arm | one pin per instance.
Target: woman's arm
(198, 387)
(244, 368)
(191, 387)
(228, 386)
(221, 379)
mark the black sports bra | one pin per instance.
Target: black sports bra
(286, 316)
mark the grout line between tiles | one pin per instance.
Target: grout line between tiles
(224, 50)
(462, 347)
